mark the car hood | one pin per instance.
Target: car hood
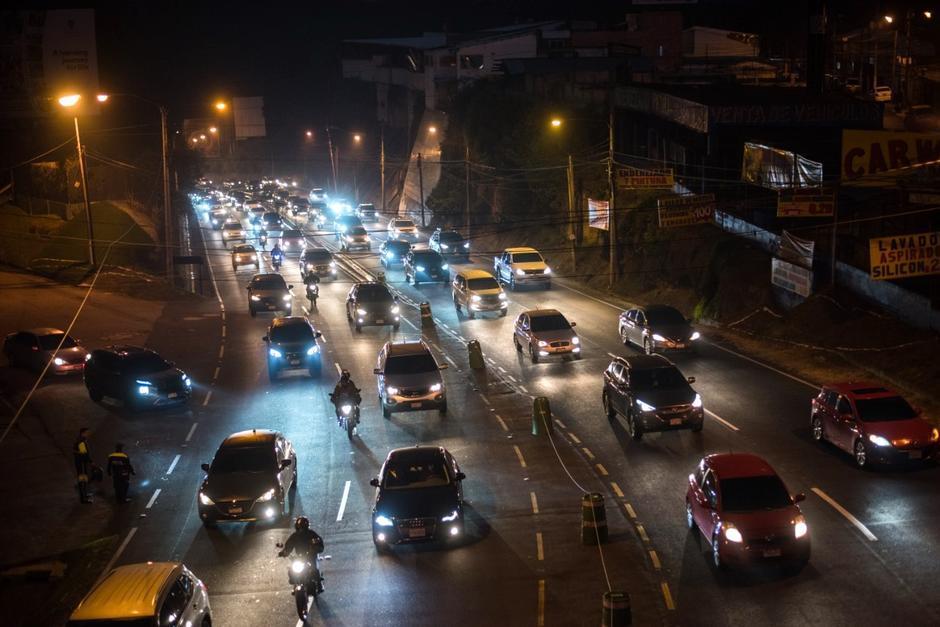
(171, 375)
(763, 522)
(676, 332)
(529, 265)
(490, 292)
(915, 429)
(359, 238)
(405, 229)
(667, 397)
(554, 336)
(237, 486)
(76, 353)
(294, 347)
(269, 293)
(375, 305)
(413, 380)
(418, 503)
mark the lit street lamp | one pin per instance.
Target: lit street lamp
(68, 101)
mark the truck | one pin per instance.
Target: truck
(522, 266)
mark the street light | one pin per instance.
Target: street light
(221, 105)
(68, 101)
(432, 130)
(928, 15)
(309, 134)
(357, 137)
(213, 129)
(889, 19)
(102, 97)
(556, 122)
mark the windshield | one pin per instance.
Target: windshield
(236, 226)
(403, 223)
(145, 363)
(657, 378)
(271, 217)
(291, 333)
(244, 249)
(410, 364)
(318, 256)
(884, 409)
(417, 473)
(244, 459)
(268, 283)
(487, 283)
(427, 257)
(664, 315)
(377, 293)
(526, 257)
(555, 322)
(292, 234)
(451, 237)
(357, 230)
(748, 494)
(49, 342)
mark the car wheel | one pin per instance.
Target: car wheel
(633, 428)
(861, 454)
(716, 553)
(548, 285)
(533, 355)
(608, 408)
(689, 518)
(648, 346)
(257, 265)
(348, 315)
(624, 339)
(208, 524)
(385, 411)
(698, 428)
(817, 429)
(576, 356)
(95, 394)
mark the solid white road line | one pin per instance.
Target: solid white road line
(721, 420)
(117, 554)
(409, 323)
(342, 503)
(338, 369)
(192, 430)
(153, 499)
(173, 464)
(848, 516)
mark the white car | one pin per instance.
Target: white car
(403, 229)
(882, 93)
(233, 231)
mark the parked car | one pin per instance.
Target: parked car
(393, 252)
(873, 423)
(245, 255)
(249, 478)
(425, 266)
(545, 332)
(744, 511)
(269, 292)
(656, 327)
(32, 349)
(450, 244)
(317, 261)
(409, 378)
(478, 291)
(652, 395)
(138, 377)
(371, 303)
(292, 345)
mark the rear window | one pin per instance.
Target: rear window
(526, 257)
(410, 364)
(486, 283)
(291, 333)
(555, 322)
(884, 409)
(749, 494)
(657, 378)
(49, 342)
(232, 226)
(416, 473)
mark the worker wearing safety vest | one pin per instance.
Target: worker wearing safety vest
(120, 471)
(83, 464)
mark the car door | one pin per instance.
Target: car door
(706, 514)
(407, 264)
(628, 323)
(612, 384)
(826, 411)
(380, 378)
(455, 472)
(638, 332)
(459, 286)
(433, 241)
(623, 398)
(284, 473)
(522, 329)
(844, 422)
(174, 609)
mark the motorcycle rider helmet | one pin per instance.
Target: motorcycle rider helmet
(302, 522)
(344, 376)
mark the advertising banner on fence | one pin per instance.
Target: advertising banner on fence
(796, 249)
(873, 157)
(685, 210)
(633, 178)
(902, 256)
(806, 203)
(791, 277)
(598, 211)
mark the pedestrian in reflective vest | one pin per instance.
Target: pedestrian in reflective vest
(83, 464)
(120, 471)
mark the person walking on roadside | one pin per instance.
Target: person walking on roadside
(83, 463)
(120, 471)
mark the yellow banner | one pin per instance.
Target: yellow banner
(902, 256)
(870, 155)
(631, 178)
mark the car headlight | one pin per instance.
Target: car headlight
(444, 266)
(87, 356)
(934, 435)
(451, 516)
(644, 406)
(333, 264)
(255, 297)
(298, 566)
(695, 335)
(444, 246)
(799, 527)
(697, 402)
(287, 297)
(313, 350)
(520, 272)
(58, 361)
(361, 311)
(502, 296)
(419, 268)
(733, 535)
(367, 238)
(383, 521)
(267, 496)
(389, 255)
(436, 387)
(395, 309)
(254, 257)
(392, 390)
(187, 381)
(309, 266)
(543, 343)
(273, 352)
(658, 338)
(877, 440)
(476, 298)
(205, 500)
(547, 270)
(467, 245)
(143, 387)
(576, 340)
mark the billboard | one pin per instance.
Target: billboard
(903, 256)
(806, 203)
(685, 210)
(598, 214)
(248, 114)
(791, 277)
(69, 54)
(633, 178)
(873, 157)
(778, 169)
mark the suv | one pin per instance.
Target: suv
(656, 327)
(651, 393)
(292, 345)
(152, 593)
(249, 478)
(393, 252)
(402, 228)
(317, 261)
(269, 292)
(873, 423)
(372, 304)
(745, 512)
(245, 255)
(451, 244)
(418, 496)
(409, 378)
(298, 206)
(425, 266)
(545, 332)
(522, 266)
(137, 376)
(477, 291)
(34, 348)
(292, 240)
(366, 211)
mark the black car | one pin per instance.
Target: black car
(269, 292)
(317, 261)
(418, 497)
(425, 266)
(32, 349)
(298, 206)
(292, 345)
(366, 211)
(271, 221)
(450, 244)
(656, 327)
(651, 393)
(393, 252)
(248, 479)
(218, 217)
(344, 223)
(292, 241)
(372, 304)
(137, 376)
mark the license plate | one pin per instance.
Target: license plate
(172, 395)
(272, 307)
(234, 510)
(915, 454)
(380, 321)
(295, 362)
(675, 421)
(416, 533)
(772, 553)
(415, 405)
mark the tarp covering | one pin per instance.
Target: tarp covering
(778, 169)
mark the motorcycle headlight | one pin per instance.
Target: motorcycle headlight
(695, 335)
(450, 517)
(309, 266)
(476, 298)
(297, 567)
(697, 402)
(287, 297)
(436, 387)
(255, 297)
(467, 245)
(313, 350)
(346, 409)
(520, 273)
(502, 296)
(547, 270)
(644, 406)
(395, 309)
(733, 535)
(267, 496)
(659, 338)
(576, 340)
(273, 352)
(205, 500)
(58, 361)
(799, 527)
(419, 268)
(361, 311)
(877, 440)
(543, 343)
(444, 266)
(392, 390)
(383, 521)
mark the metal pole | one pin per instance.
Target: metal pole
(571, 218)
(81, 171)
(611, 213)
(382, 164)
(910, 59)
(466, 162)
(329, 139)
(167, 212)
(421, 190)
(894, 65)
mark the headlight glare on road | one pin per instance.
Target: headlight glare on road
(392, 390)
(273, 352)
(519, 272)
(644, 406)
(255, 297)
(543, 343)
(476, 298)
(361, 311)
(658, 338)
(383, 521)
(451, 516)
(298, 567)
(695, 335)
(313, 350)
(58, 361)
(697, 402)
(799, 527)
(205, 500)
(436, 387)
(733, 535)
(267, 496)
(877, 440)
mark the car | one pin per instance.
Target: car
(232, 231)
(545, 332)
(344, 223)
(366, 211)
(418, 497)
(393, 251)
(292, 241)
(873, 423)
(371, 303)
(478, 291)
(744, 511)
(425, 266)
(272, 221)
(218, 217)
(317, 194)
(317, 261)
(292, 345)
(356, 238)
(656, 327)
(32, 349)
(245, 255)
(319, 213)
(652, 395)
(402, 228)
(269, 292)
(279, 205)
(881, 93)
(450, 244)
(249, 478)
(138, 377)
(298, 206)
(409, 378)
(255, 207)
(150, 593)
(522, 266)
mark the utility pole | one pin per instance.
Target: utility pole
(421, 190)
(611, 213)
(81, 171)
(571, 218)
(167, 211)
(329, 141)
(382, 163)
(466, 161)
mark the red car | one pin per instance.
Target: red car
(873, 423)
(746, 513)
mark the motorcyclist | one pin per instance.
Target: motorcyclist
(345, 388)
(306, 543)
(277, 255)
(312, 284)
(263, 238)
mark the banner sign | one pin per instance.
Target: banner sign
(871, 155)
(685, 210)
(69, 52)
(902, 256)
(806, 203)
(632, 178)
(598, 211)
(791, 277)
(796, 250)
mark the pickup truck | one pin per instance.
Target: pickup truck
(522, 266)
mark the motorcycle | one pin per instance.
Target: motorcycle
(347, 415)
(304, 575)
(313, 292)
(276, 261)
(263, 238)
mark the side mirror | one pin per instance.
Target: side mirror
(443, 367)
(285, 463)
(265, 338)
(574, 324)
(317, 334)
(691, 379)
(374, 482)
(799, 498)
(204, 467)
(377, 371)
(290, 287)
(460, 476)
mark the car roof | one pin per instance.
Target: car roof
(44, 331)
(286, 321)
(646, 362)
(398, 243)
(420, 452)
(244, 247)
(538, 313)
(473, 273)
(451, 233)
(126, 350)
(862, 389)
(250, 437)
(130, 591)
(521, 249)
(658, 307)
(413, 347)
(733, 465)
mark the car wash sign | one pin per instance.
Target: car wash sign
(903, 256)
(875, 157)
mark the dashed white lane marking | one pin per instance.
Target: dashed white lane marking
(574, 438)
(655, 559)
(192, 430)
(721, 420)
(541, 611)
(339, 370)
(223, 330)
(173, 464)
(519, 455)
(409, 323)
(616, 489)
(667, 596)
(501, 369)
(640, 530)
(502, 423)
(539, 551)
(587, 452)
(535, 502)
(215, 375)
(117, 554)
(153, 499)
(451, 361)
(221, 351)
(342, 503)
(484, 399)
(630, 512)
(524, 390)
(601, 470)
(848, 516)
(560, 423)
(205, 401)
